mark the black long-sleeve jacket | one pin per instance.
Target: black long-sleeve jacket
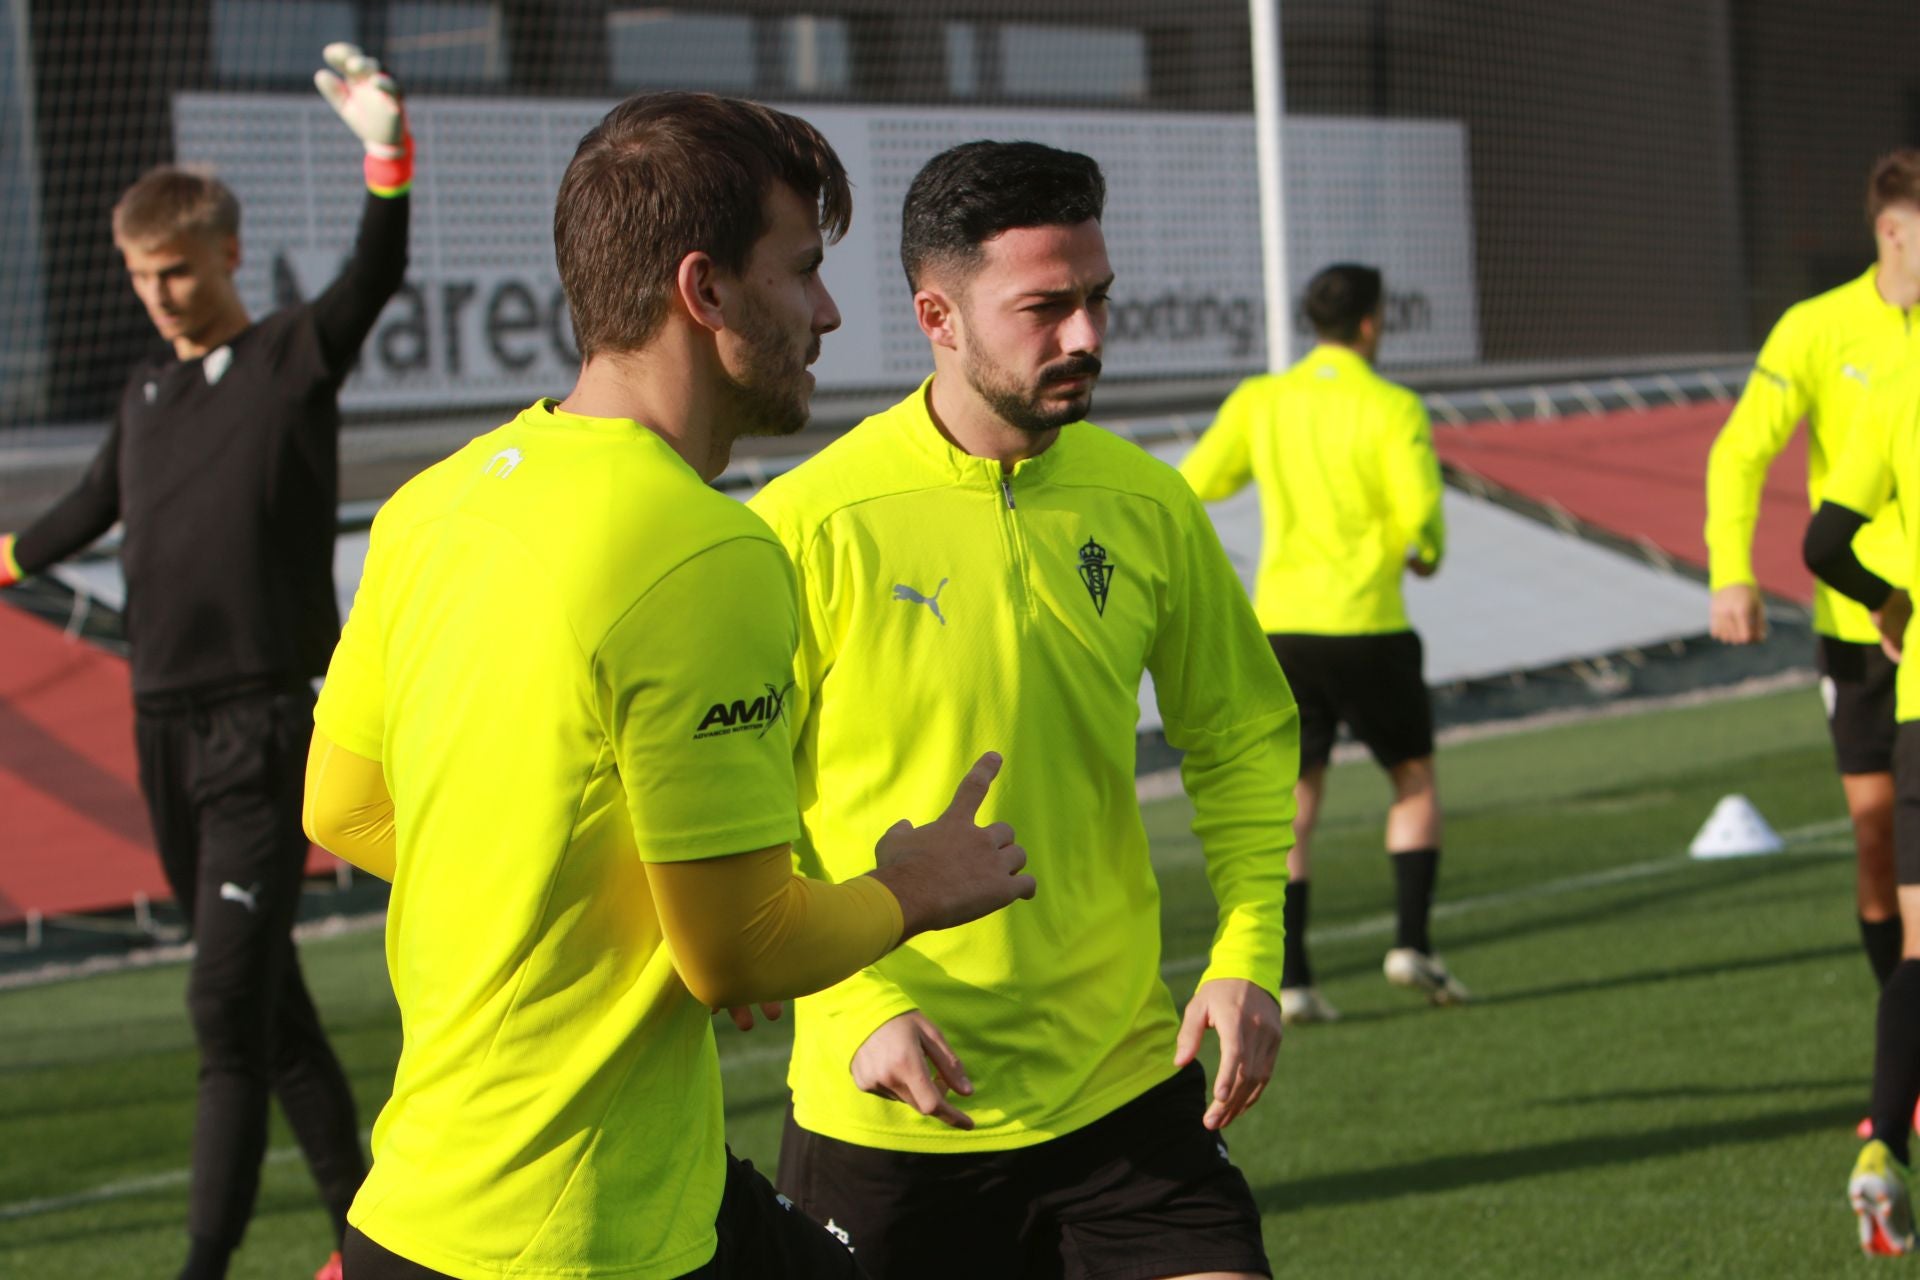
(224, 471)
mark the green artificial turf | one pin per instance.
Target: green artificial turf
(1661, 1078)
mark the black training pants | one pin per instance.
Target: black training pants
(223, 779)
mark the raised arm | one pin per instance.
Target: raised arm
(369, 101)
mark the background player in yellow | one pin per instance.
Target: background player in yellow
(558, 721)
(1349, 502)
(979, 564)
(1819, 364)
(1879, 468)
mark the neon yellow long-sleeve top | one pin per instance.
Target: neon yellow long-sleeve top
(949, 608)
(1349, 489)
(1820, 363)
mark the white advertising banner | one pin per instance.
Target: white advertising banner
(482, 322)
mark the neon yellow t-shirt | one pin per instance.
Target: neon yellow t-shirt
(948, 609)
(570, 657)
(1819, 363)
(1349, 487)
(1880, 465)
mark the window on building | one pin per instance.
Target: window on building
(1106, 64)
(445, 42)
(813, 54)
(680, 49)
(963, 59)
(271, 40)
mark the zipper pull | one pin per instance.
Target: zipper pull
(1006, 487)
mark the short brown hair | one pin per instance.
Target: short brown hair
(169, 202)
(1895, 180)
(668, 174)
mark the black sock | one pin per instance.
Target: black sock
(1896, 1058)
(206, 1259)
(1883, 940)
(1295, 970)
(1414, 873)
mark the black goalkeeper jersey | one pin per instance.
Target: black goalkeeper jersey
(224, 472)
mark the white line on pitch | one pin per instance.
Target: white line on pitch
(162, 1181)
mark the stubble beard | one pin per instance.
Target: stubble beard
(769, 397)
(1024, 408)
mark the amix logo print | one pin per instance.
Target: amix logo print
(739, 715)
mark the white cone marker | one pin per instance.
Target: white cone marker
(1735, 829)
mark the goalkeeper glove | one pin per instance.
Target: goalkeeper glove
(9, 567)
(369, 101)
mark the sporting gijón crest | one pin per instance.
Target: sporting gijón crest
(1097, 572)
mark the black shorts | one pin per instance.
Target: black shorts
(1857, 684)
(1142, 1192)
(1375, 685)
(762, 1237)
(1906, 805)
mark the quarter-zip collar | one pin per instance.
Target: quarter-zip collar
(916, 427)
(1869, 283)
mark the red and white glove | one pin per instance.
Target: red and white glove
(369, 101)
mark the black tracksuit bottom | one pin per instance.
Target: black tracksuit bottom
(223, 774)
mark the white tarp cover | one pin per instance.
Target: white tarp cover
(1511, 595)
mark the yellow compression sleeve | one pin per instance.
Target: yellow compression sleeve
(746, 928)
(348, 811)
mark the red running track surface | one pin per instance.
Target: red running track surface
(1641, 475)
(73, 828)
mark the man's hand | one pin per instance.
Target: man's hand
(366, 98)
(1421, 568)
(742, 1014)
(1737, 615)
(1247, 1019)
(1892, 618)
(893, 1064)
(369, 101)
(9, 567)
(950, 871)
